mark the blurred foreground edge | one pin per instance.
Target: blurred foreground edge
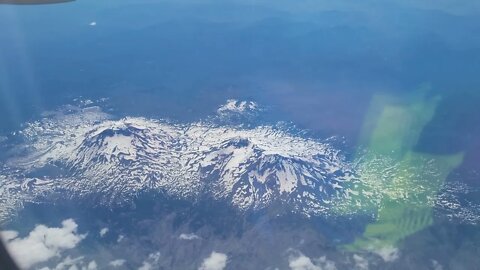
(6, 262)
(33, 2)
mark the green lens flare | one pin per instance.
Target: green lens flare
(397, 184)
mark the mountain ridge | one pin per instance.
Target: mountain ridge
(251, 168)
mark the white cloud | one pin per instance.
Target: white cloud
(103, 231)
(117, 263)
(92, 265)
(67, 263)
(360, 262)
(42, 243)
(151, 262)
(120, 238)
(9, 235)
(302, 262)
(76, 263)
(216, 261)
(436, 265)
(93, 23)
(388, 253)
(188, 236)
(145, 266)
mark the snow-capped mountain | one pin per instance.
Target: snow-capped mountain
(240, 108)
(254, 167)
(132, 154)
(116, 159)
(238, 112)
